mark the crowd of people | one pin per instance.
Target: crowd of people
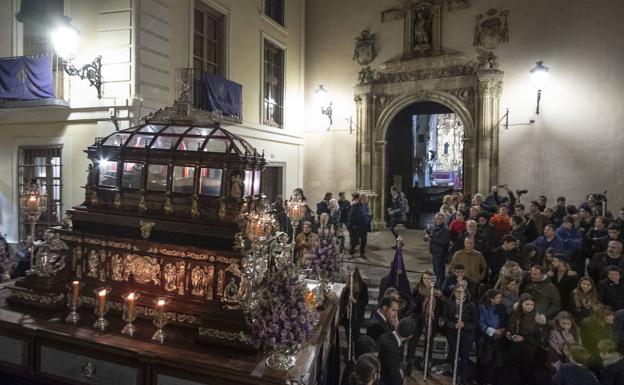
(539, 290)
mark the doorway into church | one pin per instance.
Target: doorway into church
(424, 158)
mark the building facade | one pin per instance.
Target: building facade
(144, 45)
(437, 51)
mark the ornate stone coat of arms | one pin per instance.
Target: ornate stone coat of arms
(364, 48)
(491, 29)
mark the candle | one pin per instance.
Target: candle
(130, 303)
(101, 302)
(160, 305)
(75, 288)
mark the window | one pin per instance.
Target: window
(183, 179)
(210, 181)
(272, 182)
(157, 177)
(44, 165)
(107, 173)
(273, 90)
(252, 183)
(208, 40)
(131, 176)
(275, 10)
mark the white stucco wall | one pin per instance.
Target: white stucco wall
(120, 30)
(574, 146)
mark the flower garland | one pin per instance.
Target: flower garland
(323, 259)
(280, 317)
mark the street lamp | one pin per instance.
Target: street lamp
(32, 203)
(65, 39)
(322, 97)
(539, 78)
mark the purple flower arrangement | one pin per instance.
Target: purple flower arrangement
(324, 261)
(279, 316)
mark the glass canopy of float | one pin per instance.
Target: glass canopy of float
(176, 158)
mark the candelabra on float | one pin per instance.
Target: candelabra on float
(129, 313)
(74, 301)
(101, 295)
(159, 319)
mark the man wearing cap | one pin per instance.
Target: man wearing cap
(597, 268)
(390, 351)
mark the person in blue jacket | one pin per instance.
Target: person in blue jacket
(491, 337)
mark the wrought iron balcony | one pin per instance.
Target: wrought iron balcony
(210, 93)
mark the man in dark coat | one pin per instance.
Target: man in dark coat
(597, 267)
(611, 289)
(439, 238)
(323, 206)
(545, 295)
(345, 206)
(359, 225)
(508, 251)
(390, 352)
(384, 319)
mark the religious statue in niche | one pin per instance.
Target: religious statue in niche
(491, 29)
(364, 52)
(236, 185)
(453, 5)
(422, 29)
(92, 264)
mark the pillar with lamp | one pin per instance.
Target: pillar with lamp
(65, 39)
(323, 99)
(32, 202)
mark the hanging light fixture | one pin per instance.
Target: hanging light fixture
(539, 78)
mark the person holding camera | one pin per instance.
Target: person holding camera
(439, 238)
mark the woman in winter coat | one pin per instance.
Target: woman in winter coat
(468, 324)
(564, 333)
(421, 312)
(524, 334)
(490, 338)
(584, 298)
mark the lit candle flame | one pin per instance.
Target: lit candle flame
(131, 296)
(102, 293)
(75, 282)
(161, 302)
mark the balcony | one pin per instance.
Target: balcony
(32, 81)
(210, 93)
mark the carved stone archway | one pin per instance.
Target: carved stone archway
(452, 80)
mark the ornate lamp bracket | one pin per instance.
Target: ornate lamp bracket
(91, 71)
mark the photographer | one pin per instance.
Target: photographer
(494, 200)
(438, 237)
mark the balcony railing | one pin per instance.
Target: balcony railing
(30, 83)
(211, 93)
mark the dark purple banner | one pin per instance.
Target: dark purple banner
(26, 77)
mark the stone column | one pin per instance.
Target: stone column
(363, 151)
(489, 92)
